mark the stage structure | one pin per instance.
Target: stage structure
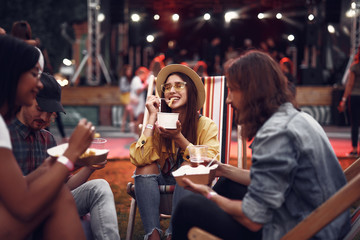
(354, 38)
(93, 56)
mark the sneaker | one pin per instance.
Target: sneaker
(352, 154)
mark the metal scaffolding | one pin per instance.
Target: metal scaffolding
(354, 38)
(93, 56)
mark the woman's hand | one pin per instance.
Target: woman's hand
(80, 140)
(170, 133)
(174, 134)
(341, 106)
(152, 104)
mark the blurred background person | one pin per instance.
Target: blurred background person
(231, 53)
(126, 76)
(201, 69)
(22, 29)
(213, 57)
(248, 44)
(352, 96)
(138, 92)
(155, 66)
(286, 66)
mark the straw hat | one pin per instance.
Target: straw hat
(166, 71)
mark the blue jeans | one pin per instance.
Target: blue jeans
(148, 199)
(95, 197)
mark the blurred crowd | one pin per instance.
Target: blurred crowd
(133, 82)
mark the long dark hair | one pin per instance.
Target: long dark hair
(263, 89)
(21, 29)
(123, 72)
(17, 57)
(189, 126)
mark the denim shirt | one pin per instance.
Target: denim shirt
(294, 170)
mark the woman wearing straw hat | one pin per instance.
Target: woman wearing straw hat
(160, 151)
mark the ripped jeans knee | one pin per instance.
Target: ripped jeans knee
(148, 201)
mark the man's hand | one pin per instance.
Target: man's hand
(196, 188)
(80, 140)
(98, 165)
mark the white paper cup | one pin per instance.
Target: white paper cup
(167, 120)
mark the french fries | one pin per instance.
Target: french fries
(88, 153)
(171, 101)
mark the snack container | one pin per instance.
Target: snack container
(92, 155)
(199, 174)
(167, 120)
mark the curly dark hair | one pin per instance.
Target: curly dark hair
(263, 89)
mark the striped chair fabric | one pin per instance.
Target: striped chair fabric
(215, 107)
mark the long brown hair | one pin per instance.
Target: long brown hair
(263, 89)
(189, 126)
(123, 72)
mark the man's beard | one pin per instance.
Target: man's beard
(38, 125)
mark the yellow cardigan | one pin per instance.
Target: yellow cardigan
(144, 152)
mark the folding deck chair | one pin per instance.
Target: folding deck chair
(215, 107)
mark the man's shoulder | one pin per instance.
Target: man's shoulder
(12, 123)
(15, 126)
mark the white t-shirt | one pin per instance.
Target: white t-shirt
(5, 141)
(139, 107)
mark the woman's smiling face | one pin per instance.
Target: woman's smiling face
(29, 85)
(178, 92)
